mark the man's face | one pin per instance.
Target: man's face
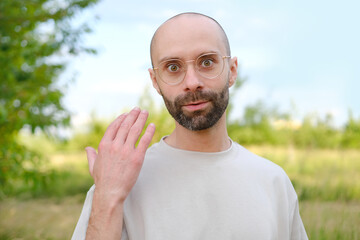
(197, 103)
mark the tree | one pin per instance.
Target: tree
(35, 36)
(351, 133)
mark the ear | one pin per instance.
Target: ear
(233, 64)
(153, 79)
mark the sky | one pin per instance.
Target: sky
(298, 56)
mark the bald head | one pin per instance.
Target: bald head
(210, 22)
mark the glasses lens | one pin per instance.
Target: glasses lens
(172, 71)
(209, 65)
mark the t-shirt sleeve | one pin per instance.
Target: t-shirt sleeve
(297, 227)
(82, 224)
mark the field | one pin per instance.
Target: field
(327, 182)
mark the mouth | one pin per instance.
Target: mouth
(195, 106)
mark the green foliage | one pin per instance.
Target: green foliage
(91, 136)
(317, 133)
(164, 123)
(35, 37)
(240, 81)
(17, 166)
(351, 135)
(255, 127)
(259, 125)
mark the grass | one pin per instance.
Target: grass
(39, 218)
(331, 220)
(318, 174)
(327, 182)
(65, 175)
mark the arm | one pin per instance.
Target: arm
(115, 169)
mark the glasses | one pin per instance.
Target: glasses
(208, 65)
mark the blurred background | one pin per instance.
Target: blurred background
(68, 67)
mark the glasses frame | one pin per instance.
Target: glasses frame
(193, 60)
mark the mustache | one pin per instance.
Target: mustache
(194, 97)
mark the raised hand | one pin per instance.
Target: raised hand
(115, 169)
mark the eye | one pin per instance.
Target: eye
(173, 68)
(207, 63)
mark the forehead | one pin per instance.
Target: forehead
(186, 37)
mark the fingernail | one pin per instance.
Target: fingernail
(136, 108)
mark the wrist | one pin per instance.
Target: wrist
(107, 202)
(106, 217)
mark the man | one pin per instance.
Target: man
(195, 183)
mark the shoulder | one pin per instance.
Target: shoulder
(263, 169)
(255, 161)
(154, 152)
(153, 149)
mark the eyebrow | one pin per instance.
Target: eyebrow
(177, 58)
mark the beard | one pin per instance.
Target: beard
(199, 119)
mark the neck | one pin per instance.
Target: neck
(214, 139)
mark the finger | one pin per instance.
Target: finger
(91, 156)
(126, 124)
(146, 139)
(112, 129)
(137, 128)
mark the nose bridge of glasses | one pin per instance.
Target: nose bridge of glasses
(188, 62)
(193, 60)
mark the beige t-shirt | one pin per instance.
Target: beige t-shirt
(233, 194)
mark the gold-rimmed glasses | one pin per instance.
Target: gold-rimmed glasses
(208, 65)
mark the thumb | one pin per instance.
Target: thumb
(91, 156)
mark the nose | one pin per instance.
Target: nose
(192, 81)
